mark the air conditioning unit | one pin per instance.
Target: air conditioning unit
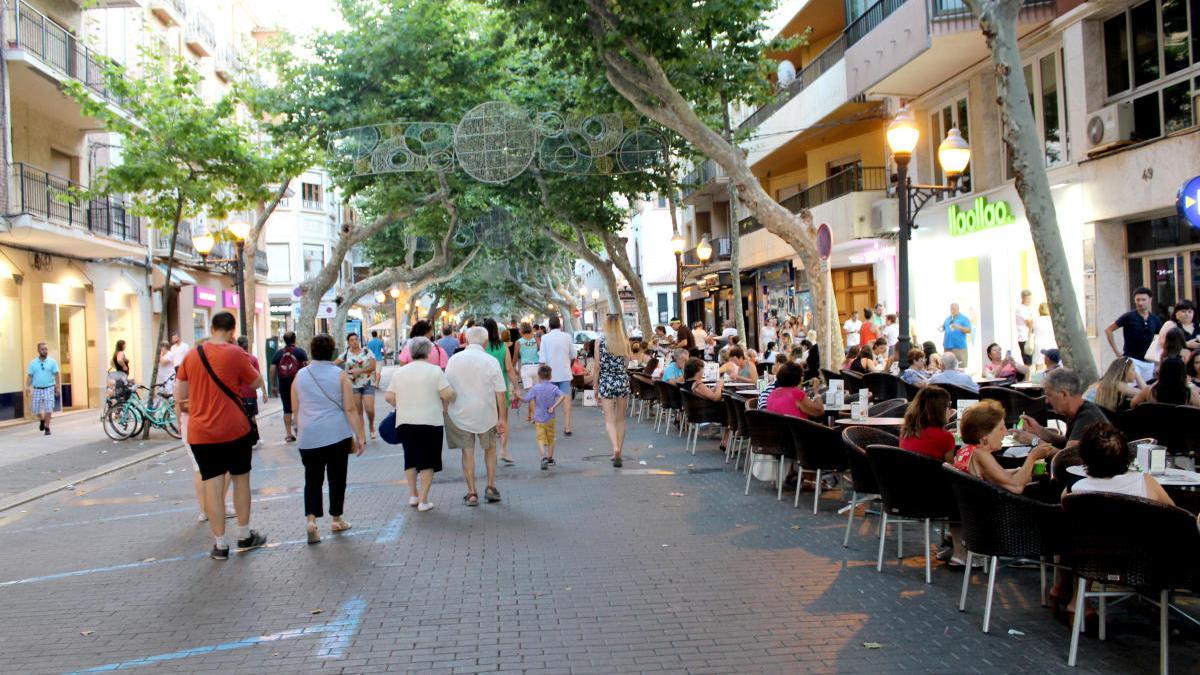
(885, 220)
(1110, 127)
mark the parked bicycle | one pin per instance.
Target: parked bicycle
(126, 413)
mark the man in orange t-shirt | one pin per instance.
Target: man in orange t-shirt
(218, 430)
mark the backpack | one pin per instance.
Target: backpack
(289, 365)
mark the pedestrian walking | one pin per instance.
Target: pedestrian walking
(360, 366)
(448, 343)
(1139, 327)
(438, 357)
(475, 415)
(557, 352)
(612, 381)
(376, 346)
(544, 397)
(852, 326)
(219, 432)
(248, 393)
(529, 358)
(1023, 319)
(179, 350)
(44, 383)
(285, 365)
(497, 347)
(330, 428)
(166, 369)
(419, 391)
(955, 330)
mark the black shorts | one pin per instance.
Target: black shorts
(285, 394)
(215, 459)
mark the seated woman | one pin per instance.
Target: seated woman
(1006, 368)
(863, 363)
(923, 431)
(1172, 386)
(737, 367)
(693, 381)
(651, 366)
(1106, 457)
(934, 364)
(1192, 368)
(916, 374)
(1120, 385)
(983, 431)
(788, 396)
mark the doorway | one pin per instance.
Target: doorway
(66, 337)
(853, 289)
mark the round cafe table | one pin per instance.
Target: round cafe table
(871, 421)
(1173, 477)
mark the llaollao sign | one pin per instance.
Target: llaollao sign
(981, 216)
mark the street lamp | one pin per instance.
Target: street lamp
(595, 309)
(204, 243)
(395, 293)
(954, 154)
(704, 250)
(677, 244)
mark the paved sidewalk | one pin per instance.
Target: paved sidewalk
(658, 567)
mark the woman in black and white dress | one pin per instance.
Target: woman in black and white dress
(612, 381)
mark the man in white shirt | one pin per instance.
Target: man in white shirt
(891, 333)
(178, 350)
(556, 352)
(1024, 317)
(700, 336)
(477, 411)
(852, 326)
(729, 331)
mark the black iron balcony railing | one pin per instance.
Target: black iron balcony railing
(261, 264)
(49, 196)
(951, 15)
(55, 46)
(178, 6)
(807, 75)
(706, 171)
(852, 179)
(868, 20)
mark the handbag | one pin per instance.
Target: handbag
(253, 435)
(589, 398)
(388, 431)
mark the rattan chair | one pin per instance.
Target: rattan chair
(701, 412)
(768, 436)
(853, 380)
(958, 393)
(644, 392)
(892, 408)
(670, 404)
(737, 432)
(885, 386)
(914, 488)
(744, 430)
(1146, 548)
(999, 524)
(1173, 425)
(1015, 404)
(819, 449)
(865, 489)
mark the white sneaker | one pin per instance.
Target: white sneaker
(202, 518)
(425, 506)
(414, 501)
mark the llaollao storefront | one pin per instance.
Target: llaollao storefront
(976, 251)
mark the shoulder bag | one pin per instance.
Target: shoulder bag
(253, 435)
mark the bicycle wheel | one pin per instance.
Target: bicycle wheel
(121, 422)
(171, 420)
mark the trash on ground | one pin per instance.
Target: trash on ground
(86, 633)
(1014, 631)
(677, 494)
(642, 462)
(317, 611)
(873, 645)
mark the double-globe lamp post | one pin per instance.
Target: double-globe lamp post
(204, 243)
(954, 154)
(703, 253)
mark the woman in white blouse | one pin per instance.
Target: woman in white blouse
(420, 393)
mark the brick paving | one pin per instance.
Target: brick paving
(582, 569)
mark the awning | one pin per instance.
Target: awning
(179, 276)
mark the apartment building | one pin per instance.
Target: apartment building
(1113, 89)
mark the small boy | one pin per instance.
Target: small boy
(545, 397)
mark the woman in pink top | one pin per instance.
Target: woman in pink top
(788, 398)
(437, 356)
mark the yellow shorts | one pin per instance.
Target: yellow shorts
(545, 433)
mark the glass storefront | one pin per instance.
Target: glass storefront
(1164, 256)
(119, 312)
(11, 379)
(65, 333)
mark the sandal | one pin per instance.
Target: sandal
(340, 525)
(508, 460)
(290, 439)
(471, 499)
(314, 535)
(491, 494)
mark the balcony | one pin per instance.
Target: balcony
(722, 249)
(170, 12)
(183, 243)
(47, 217)
(312, 204)
(853, 179)
(200, 35)
(227, 63)
(707, 178)
(49, 51)
(900, 46)
(805, 78)
(261, 264)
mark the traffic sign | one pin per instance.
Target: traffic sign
(824, 241)
(575, 313)
(1188, 202)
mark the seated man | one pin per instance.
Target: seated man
(1064, 395)
(952, 375)
(673, 371)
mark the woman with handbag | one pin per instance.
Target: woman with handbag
(419, 391)
(330, 428)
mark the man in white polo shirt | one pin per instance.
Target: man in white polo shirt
(477, 411)
(557, 350)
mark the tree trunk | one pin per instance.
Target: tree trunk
(250, 282)
(735, 245)
(166, 301)
(998, 20)
(614, 245)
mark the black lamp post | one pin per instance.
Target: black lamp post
(703, 253)
(954, 153)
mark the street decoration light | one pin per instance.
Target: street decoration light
(395, 293)
(704, 250)
(954, 153)
(204, 244)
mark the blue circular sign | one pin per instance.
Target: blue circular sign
(1188, 202)
(824, 241)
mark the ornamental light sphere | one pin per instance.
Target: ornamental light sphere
(704, 250)
(395, 293)
(203, 243)
(902, 134)
(954, 153)
(678, 243)
(240, 230)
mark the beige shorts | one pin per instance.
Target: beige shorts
(457, 438)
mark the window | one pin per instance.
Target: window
(1047, 97)
(662, 201)
(279, 262)
(664, 308)
(1151, 53)
(314, 260)
(311, 194)
(952, 115)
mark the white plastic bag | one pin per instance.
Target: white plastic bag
(589, 398)
(765, 469)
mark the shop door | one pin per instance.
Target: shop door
(66, 336)
(854, 289)
(1166, 282)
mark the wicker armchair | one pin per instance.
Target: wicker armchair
(999, 524)
(1016, 404)
(701, 412)
(885, 386)
(1146, 547)
(670, 405)
(865, 489)
(854, 381)
(819, 449)
(892, 408)
(768, 436)
(737, 432)
(958, 393)
(914, 488)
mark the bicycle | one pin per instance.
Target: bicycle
(126, 414)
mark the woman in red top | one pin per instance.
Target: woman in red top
(867, 333)
(922, 431)
(788, 397)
